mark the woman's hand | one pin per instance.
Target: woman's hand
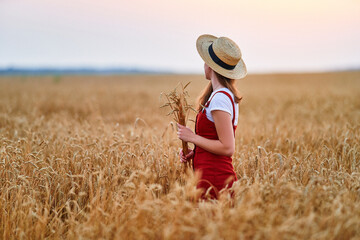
(185, 133)
(186, 158)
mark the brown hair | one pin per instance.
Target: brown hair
(226, 82)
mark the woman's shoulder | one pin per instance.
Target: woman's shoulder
(220, 96)
(222, 101)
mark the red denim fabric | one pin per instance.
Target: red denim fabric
(216, 171)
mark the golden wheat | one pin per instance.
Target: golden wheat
(180, 109)
(95, 158)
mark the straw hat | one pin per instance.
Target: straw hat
(222, 55)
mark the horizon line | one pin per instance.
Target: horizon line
(108, 70)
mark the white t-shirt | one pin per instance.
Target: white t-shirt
(222, 102)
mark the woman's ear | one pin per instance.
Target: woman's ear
(208, 72)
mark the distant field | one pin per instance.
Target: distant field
(94, 157)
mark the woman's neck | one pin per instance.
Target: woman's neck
(215, 82)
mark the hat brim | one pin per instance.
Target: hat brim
(202, 45)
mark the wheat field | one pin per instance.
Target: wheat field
(94, 157)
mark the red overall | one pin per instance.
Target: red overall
(216, 171)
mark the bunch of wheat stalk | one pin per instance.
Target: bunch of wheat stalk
(180, 108)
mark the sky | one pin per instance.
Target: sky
(273, 35)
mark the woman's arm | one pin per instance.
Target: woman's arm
(226, 143)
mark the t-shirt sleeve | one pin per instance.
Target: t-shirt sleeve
(221, 102)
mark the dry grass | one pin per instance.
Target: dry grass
(176, 101)
(95, 158)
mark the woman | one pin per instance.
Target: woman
(216, 121)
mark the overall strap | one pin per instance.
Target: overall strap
(232, 102)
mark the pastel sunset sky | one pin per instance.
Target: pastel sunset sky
(273, 35)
